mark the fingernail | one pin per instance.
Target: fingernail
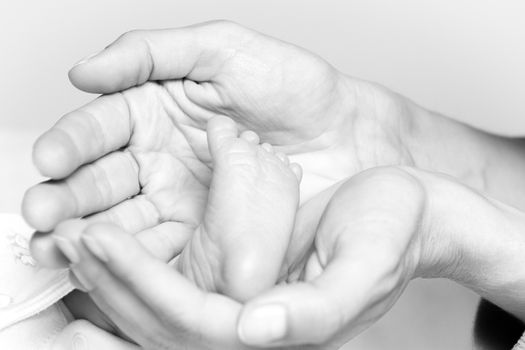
(76, 282)
(263, 324)
(84, 282)
(79, 342)
(87, 58)
(94, 247)
(68, 249)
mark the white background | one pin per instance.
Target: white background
(462, 58)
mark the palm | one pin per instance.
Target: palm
(170, 150)
(266, 95)
(293, 100)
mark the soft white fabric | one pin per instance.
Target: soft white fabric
(520, 345)
(30, 312)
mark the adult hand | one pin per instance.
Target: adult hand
(158, 308)
(373, 234)
(139, 158)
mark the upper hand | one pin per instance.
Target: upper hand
(138, 158)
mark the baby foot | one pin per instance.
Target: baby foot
(239, 248)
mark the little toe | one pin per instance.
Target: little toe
(267, 147)
(283, 157)
(220, 129)
(297, 170)
(250, 136)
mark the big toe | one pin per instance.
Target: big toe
(220, 130)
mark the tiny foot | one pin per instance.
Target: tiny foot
(239, 248)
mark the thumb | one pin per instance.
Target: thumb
(139, 56)
(327, 311)
(82, 335)
(362, 262)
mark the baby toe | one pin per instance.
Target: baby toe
(220, 130)
(267, 147)
(250, 137)
(283, 157)
(297, 170)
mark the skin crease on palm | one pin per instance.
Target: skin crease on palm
(148, 168)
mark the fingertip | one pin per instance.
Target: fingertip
(104, 73)
(45, 252)
(44, 248)
(54, 154)
(289, 315)
(85, 77)
(43, 206)
(80, 75)
(263, 325)
(67, 238)
(77, 75)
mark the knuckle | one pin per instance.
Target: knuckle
(227, 25)
(393, 179)
(132, 35)
(229, 31)
(395, 173)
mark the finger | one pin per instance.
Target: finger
(136, 216)
(167, 240)
(91, 274)
(82, 334)
(139, 56)
(170, 295)
(92, 188)
(303, 235)
(312, 312)
(132, 215)
(361, 265)
(83, 136)
(44, 248)
(46, 253)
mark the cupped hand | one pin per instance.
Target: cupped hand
(370, 236)
(138, 158)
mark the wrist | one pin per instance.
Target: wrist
(493, 264)
(440, 249)
(399, 132)
(439, 144)
(479, 243)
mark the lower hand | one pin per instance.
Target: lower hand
(369, 237)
